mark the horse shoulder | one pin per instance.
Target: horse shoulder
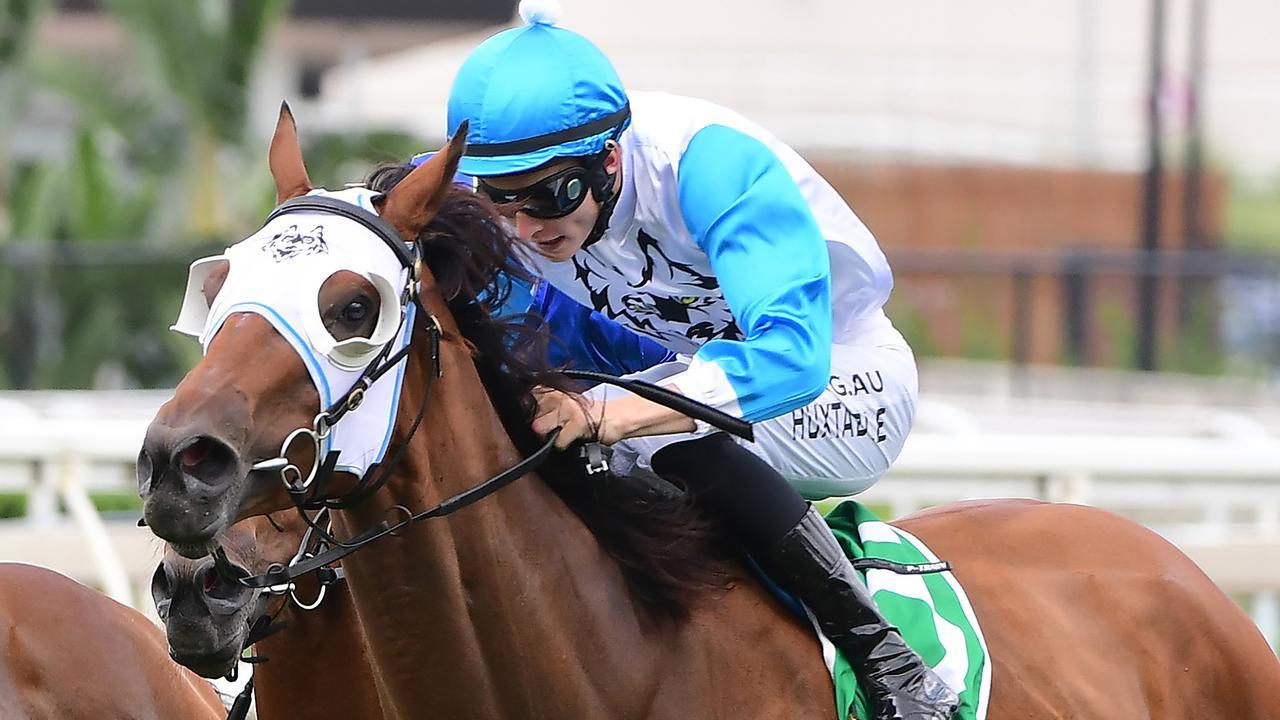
(758, 659)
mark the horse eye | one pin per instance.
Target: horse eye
(355, 311)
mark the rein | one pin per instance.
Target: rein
(339, 549)
(298, 488)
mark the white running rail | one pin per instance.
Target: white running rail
(1217, 498)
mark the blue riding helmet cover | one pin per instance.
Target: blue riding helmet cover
(533, 94)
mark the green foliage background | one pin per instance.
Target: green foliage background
(160, 171)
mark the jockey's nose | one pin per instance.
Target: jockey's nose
(527, 227)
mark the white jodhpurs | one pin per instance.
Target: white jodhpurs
(841, 443)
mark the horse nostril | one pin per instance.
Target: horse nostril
(195, 453)
(161, 591)
(209, 580)
(207, 459)
(145, 471)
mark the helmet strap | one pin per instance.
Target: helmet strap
(603, 191)
(602, 220)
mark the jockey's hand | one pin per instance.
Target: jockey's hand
(603, 421)
(578, 417)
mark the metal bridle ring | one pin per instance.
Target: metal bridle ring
(355, 399)
(316, 439)
(282, 588)
(293, 595)
(398, 528)
(294, 484)
(320, 426)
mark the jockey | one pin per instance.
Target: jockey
(687, 223)
(581, 338)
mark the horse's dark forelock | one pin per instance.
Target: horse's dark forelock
(670, 554)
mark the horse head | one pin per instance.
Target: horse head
(291, 320)
(207, 615)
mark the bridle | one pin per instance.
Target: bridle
(307, 493)
(322, 466)
(265, 625)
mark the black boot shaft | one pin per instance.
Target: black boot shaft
(810, 562)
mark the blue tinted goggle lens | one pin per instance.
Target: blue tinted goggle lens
(554, 196)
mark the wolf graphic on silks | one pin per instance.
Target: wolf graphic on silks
(696, 308)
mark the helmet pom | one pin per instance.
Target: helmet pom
(540, 12)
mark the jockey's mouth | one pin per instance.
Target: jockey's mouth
(550, 245)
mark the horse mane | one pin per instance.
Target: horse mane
(670, 553)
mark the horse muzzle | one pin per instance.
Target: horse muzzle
(185, 480)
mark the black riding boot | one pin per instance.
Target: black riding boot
(798, 550)
(809, 562)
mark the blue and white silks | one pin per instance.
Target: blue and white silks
(727, 246)
(581, 338)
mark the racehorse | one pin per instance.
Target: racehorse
(68, 652)
(208, 620)
(521, 607)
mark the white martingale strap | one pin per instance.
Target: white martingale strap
(277, 273)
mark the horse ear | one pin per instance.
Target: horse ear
(416, 199)
(285, 159)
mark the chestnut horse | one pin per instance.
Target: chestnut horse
(68, 652)
(513, 608)
(312, 666)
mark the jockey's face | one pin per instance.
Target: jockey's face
(555, 238)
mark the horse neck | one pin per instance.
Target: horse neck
(481, 613)
(317, 667)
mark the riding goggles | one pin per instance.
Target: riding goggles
(552, 197)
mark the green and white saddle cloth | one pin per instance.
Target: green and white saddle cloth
(931, 610)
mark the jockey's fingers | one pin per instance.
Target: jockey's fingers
(550, 402)
(573, 427)
(545, 409)
(570, 430)
(565, 439)
(544, 424)
(541, 391)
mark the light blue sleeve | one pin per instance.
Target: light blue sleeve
(747, 214)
